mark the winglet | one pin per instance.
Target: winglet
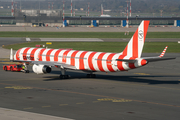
(164, 51)
(11, 55)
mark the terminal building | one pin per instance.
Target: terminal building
(54, 18)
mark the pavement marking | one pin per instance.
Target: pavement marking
(28, 108)
(95, 95)
(122, 100)
(141, 74)
(46, 106)
(96, 101)
(105, 99)
(63, 104)
(114, 100)
(19, 87)
(80, 103)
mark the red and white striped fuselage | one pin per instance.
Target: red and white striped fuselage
(82, 60)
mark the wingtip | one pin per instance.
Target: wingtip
(164, 51)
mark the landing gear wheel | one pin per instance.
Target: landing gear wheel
(91, 76)
(64, 76)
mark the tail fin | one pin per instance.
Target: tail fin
(135, 45)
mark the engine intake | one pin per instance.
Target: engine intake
(41, 69)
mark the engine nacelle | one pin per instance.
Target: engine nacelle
(41, 69)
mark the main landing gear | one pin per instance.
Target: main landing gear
(91, 75)
(63, 74)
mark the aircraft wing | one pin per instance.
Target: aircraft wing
(49, 63)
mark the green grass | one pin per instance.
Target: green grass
(149, 47)
(86, 34)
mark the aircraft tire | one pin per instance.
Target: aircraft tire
(64, 76)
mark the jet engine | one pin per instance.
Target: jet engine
(41, 69)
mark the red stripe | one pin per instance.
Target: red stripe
(64, 56)
(135, 44)
(73, 57)
(56, 54)
(109, 64)
(40, 54)
(17, 54)
(99, 61)
(25, 53)
(90, 61)
(146, 25)
(132, 65)
(32, 54)
(125, 51)
(119, 63)
(48, 54)
(81, 61)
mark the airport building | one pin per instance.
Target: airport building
(38, 17)
(55, 18)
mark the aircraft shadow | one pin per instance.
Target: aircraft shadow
(149, 79)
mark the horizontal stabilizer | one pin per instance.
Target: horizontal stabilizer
(158, 59)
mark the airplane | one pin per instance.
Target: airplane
(88, 61)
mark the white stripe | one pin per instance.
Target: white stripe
(52, 54)
(130, 46)
(44, 54)
(60, 56)
(29, 51)
(86, 60)
(36, 54)
(94, 60)
(116, 56)
(68, 59)
(126, 65)
(77, 59)
(20, 53)
(104, 62)
(140, 39)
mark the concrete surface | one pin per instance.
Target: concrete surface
(9, 114)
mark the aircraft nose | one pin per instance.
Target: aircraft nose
(144, 62)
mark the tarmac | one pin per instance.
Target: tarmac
(150, 92)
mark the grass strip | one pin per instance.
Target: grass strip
(87, 34)
(149, 47)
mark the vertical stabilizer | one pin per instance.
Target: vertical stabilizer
(11, 55)
(135, 45)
